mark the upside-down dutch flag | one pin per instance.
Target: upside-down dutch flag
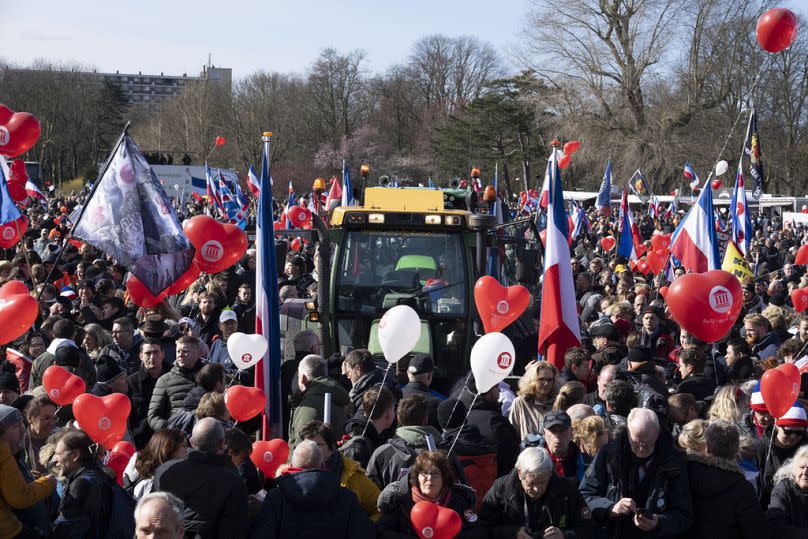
(654, 205)
(672, 208)
(739, 209)
(604, 200)
(267, 309)
(558, 328)
(213, 191)
(33, 191)
(289, 203)
(629, 245)
(580, 221)
(694, 242)
(252, 181)
(691, 175)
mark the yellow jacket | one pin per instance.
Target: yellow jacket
(15, 493)
(356, 480)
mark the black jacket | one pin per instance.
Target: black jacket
(361, 446)
(85, 506)
(214, 494)
(311, 505)
(395, 505)
(697, 385)
(495, 429)
(141, 387)
(788, 511)
(169, 393)
(725, 504)
(562, 506)
(369, 380)
(644, 374)
(769, 462)
(665, 490)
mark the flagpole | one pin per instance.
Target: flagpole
(84, 206)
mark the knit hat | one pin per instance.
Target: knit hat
(451, 413)
(9, 416)
(639, 354)
(67, 356)
(107, 369)
(8, 378)
(795, 417)
(756, 402)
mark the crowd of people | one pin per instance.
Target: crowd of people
(645, 431)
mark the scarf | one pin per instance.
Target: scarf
(760, 430)
(443, 498)
(558, 462)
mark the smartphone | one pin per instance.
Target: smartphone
(645, 513)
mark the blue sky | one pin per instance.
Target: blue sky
(175, 36)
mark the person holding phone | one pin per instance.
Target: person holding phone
(637, 486)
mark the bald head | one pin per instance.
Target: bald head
(208, 435)
(159, 514)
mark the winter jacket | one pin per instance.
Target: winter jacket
(476, 455)
(612, 354)
(141, 387)
(396, 503)
(311, 505)
(725, 504)
(392, 460)
(503, 509)
(431, 397)
(359, 446)
(246, 315)
(767, 346)
(170, 392)
(354, 478)
(16, 492)
(373, 378)
(527, 414)
(697, 385)
(129, 359)
(769, 462)
(86, 504)
(311, 407)
(85, 369)
(644, 373)
(495, 428)
(185, 419)
(788, 511)
(214, 495)
(209, 329)
(665, 490)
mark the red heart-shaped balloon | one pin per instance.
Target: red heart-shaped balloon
(18, 310)
(779, 391)
(608, 243)
(632, 265)
(432, 521)
(102, 418)
(61, 385)
(19, 131)
(298, 216)
(802, 255)
(499, 306)
(661, 242)
(705, 304)
(799, 299)
(10, 232)
(656, 260)
(185, 280)
(642, 249)
(218, 245)
(643, 266)
(268, 455)
(141, 295)
(663, 291)
(17, 173)
(244, 402)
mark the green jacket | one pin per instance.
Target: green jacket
(311, 408)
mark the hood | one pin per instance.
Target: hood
(367, 381)
(57, 343)
(309, 488)
(715, 476)
(318, 387)
(416, 436)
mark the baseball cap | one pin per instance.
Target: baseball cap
(420, 364)
(555, 418)
(228, 314)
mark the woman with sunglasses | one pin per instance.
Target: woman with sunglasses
(788, 435)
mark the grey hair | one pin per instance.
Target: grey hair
(305, 340)
(208, 435)
(307, 455)
(312, 366)
(174, 503)
(788, 471)
(643, 415)
(534, 461)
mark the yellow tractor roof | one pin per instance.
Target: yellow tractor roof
(403, 199)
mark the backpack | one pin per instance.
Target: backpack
(121, 511)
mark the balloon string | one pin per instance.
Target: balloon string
(384, 379)
(766, 461)
(462, 389)
(468, 412)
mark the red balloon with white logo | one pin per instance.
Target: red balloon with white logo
(780, 388)
(62, 386)
(492, 360)
(103, 418)
(18, 310)
(267, 455)
(218, 245)
(432, 521)
(799, 299)
(10, 233)
(705, 304)
(19, 131)
(299, 216)
(499, 306)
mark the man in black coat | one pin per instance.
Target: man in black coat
(637, 486)
(141, 385)
(214, 495)
(533, 500)
(419, 376)
(486, 415)
(691, 367)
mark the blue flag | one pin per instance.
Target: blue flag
(347, 190)
(130, 217)
(8, 210)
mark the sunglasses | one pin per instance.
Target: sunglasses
(791, 432)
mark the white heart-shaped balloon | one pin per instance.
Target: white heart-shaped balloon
(246, 350)
(721, 167)
(492, 359)
(399, 331)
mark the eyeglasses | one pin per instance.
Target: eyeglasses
(791, 432)
(428, 475)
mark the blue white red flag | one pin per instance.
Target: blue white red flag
(267, 309)
(694, 242)
(495, 209)
(347, 189)
(604, 200)
(558, 326)
(8, 210)
(672, 208)
(739, 209)
(252, 181)
(232, 208)
(691, 175)
(629, 245)
(580, 221)
(213, 190)
(33, 191)
(653, 207)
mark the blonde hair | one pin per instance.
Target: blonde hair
(730, 404)
(587, 431)
(692, 437)
(211, 405)
(529, 382)
(569, 394)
